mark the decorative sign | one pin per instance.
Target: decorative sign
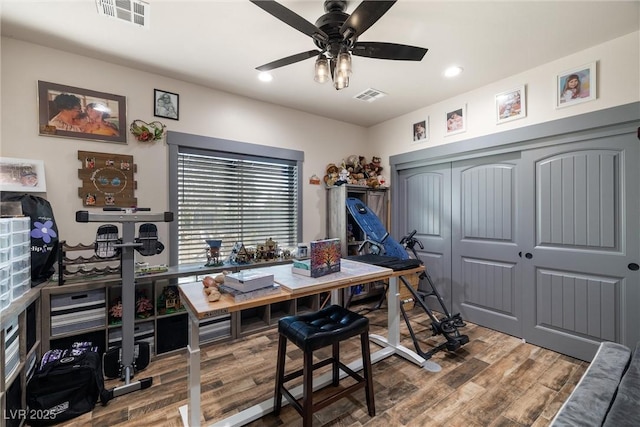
(107, 179)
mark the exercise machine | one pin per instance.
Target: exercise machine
(125, 362)
(387, 252)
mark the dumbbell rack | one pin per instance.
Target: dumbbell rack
(128, 218)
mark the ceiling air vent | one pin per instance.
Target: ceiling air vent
(132, 11)
(370, 95)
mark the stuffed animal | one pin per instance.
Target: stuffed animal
(332, 175)
(375, 166)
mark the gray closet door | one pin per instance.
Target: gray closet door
(425, 194)
(485, 274)
(583, 234)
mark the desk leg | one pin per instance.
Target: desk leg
(190, 413)
(392, 342)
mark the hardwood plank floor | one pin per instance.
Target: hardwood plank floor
(494, 380)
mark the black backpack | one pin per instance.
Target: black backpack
(65, 388)
(43, 231)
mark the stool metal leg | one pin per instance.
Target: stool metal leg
(307, 390)
(366, 365)
(335, 366)
(282, 352)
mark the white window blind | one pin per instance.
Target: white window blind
(234, 199)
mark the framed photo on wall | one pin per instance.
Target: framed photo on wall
(511, 105)
(166, 104)
(576, 85)
(421, 131)
(22, 175)
(456, 120)
(73, 112)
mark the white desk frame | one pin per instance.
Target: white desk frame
(191, 413)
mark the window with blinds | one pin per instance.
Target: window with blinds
(234, 199)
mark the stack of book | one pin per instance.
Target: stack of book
(249, 284)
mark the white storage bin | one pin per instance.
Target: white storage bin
(5, 271)
(21, 237)
(20, 224)
(12, 348)
(21, 276)
(5, 255)
(22, 263)
(21, 289)
(5, 300)
(5, 240)
(5, 225)
(5, 286)
(20, 249)
(214, 328)
(77, 311)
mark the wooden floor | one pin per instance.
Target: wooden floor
(494, 380)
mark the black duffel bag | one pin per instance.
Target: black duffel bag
(65, 388)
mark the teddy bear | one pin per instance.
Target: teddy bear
(332, 175)
(375, 167)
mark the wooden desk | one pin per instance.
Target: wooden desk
(292, 286)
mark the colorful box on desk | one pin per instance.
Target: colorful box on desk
(324, 259)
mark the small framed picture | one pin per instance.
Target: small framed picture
(166, 104)
(511, 105)
(576, 85)
(456, 121)
(22, 175)
(421, 131)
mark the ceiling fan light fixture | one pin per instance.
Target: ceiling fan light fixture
(341, 80)
(322, 70)
(344, 62)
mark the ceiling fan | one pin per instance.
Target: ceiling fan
(336, 35)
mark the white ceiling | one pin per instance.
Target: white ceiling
(219, 43)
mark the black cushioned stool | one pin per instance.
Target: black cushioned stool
(313, 331)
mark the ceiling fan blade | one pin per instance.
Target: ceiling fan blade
(381, 50)
(288, 60)
(365, 15)
(290, 18)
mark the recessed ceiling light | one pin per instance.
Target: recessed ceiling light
(265, 77)
(452, 71)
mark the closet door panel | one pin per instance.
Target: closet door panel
(485, 236)
(578, 285)
(426, 194)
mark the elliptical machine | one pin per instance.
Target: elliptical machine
(132, 356)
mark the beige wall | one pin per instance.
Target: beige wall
(618, 74)
(202, 112)
(217, 114)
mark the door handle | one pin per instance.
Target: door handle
(528, 255)
(633, 266)
(520, 254)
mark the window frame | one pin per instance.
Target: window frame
(217, 146)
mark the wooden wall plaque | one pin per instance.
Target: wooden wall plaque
(107, 180)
